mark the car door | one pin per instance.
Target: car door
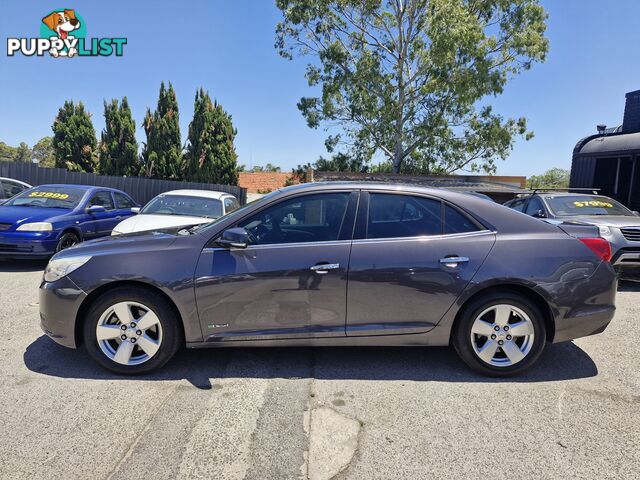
(290, 282)
(123, 204)
(412, 256)
(101, 222)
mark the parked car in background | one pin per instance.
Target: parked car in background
(46, 219)
(10, 187)
(335, 264)
(616, 223)
(179, 208)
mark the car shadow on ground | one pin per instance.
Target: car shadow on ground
(204, 367)
(22, 265)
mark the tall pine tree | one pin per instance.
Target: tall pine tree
(162, 154)
(211, 156)
(118, 146)
(74, 138)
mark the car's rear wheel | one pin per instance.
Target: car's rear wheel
(500, 334)
(68, 239)
(132, 331)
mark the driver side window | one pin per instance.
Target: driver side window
(310, 218)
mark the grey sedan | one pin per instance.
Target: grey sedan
(343, 264)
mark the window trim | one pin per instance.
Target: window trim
(362, 217)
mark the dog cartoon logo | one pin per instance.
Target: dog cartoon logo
(63, 33)
(62, 23)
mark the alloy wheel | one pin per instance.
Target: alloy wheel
(129, 333)
(502, 335)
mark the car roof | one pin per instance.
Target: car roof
(199, 193)
(14, 180)
(80, 187)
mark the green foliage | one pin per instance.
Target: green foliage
(23, 153)
(7, 152)
(412, 78)
(211, 155)
(43, 152)
(339, 162)
(162, 154)
(118, 145)
(267, 168)
(552, 178)
(74, 138)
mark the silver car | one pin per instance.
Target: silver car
(617, 224)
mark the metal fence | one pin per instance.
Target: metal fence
(140, 189)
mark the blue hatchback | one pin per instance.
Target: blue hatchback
(48, 218)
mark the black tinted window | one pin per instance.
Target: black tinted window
(230, 204)
(123, 201)
(11, 188)
(403, 216)
(517, 205)
(311, 218)
(457, 222)
(534, 205)
(103, 199)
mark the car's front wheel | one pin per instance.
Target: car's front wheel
(132, 330)
(68, 239)
(500, 334)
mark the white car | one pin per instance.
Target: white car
(10, 187)
(178, 208)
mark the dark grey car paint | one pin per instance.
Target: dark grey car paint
(384, 292)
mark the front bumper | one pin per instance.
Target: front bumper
(59, 305)
(28, 244)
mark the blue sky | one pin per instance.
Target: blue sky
(227, 48)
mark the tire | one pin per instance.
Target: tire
(145, 347)
(476, 330)
(67, 240)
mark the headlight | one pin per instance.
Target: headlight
(61, 267)
(35, 227)
(604, 231)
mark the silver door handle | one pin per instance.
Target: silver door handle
(453, 261)
(324, 268)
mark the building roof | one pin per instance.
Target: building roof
(608, 143)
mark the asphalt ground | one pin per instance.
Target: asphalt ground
(385, 413)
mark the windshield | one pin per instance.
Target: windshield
(237, 213)
(572, 205)
(184, 205)
(48, 197)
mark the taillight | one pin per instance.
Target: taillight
(599, 246)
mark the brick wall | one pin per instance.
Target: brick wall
(263, 182)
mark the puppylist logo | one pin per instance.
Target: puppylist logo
(63, 33)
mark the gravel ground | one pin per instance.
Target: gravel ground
(315, 413)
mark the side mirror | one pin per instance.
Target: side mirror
(135, 209)
(234, 238)
(95, 209)
(539, 214)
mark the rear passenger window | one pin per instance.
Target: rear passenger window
(456, 222)
(123, 201)
(393, 216)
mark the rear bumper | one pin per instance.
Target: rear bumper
(59, 305)
(589, 306)
(28, 244)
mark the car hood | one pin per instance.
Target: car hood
(130, 243)
(11, 214)
(608, 220)
(145, 222)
